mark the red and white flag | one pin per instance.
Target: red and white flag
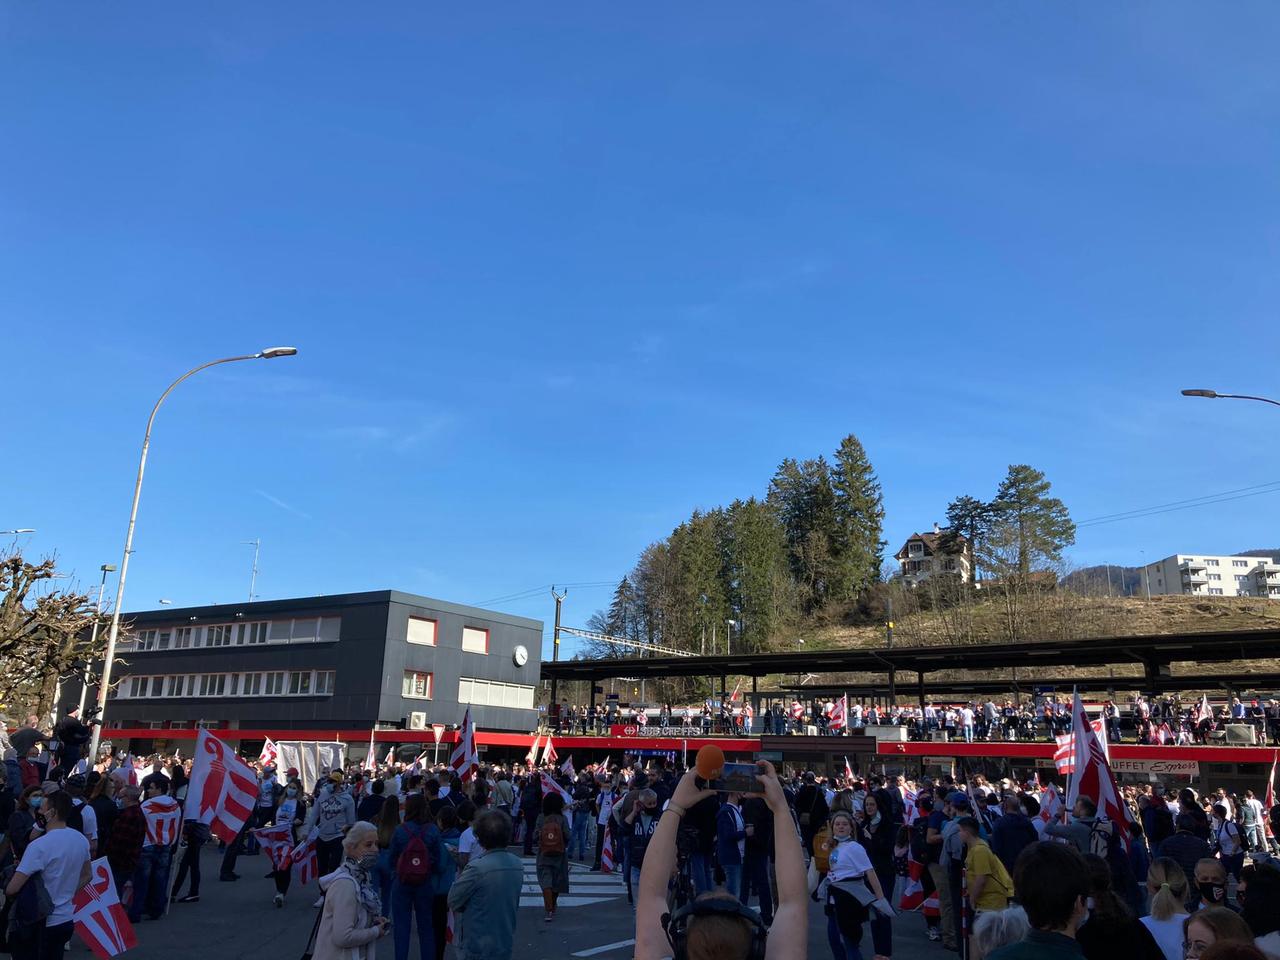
(370, 761)
(1064, 756)
(606, 853)
(567, 767)
(602, 768)
(223, 788)
(549, 754)
(910, 811)
(839, 714)
(305, 860)
(733, 697)
(164, 818)
(269, 753)
(912, 888)
(1050, 803)
(277, 841)
(1093, 777)
(465, 760)
(100, 919)
(391, 756)
(126, 771)
(550, 786)
(531, 757)
(848, 770)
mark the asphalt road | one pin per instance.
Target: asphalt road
(237, 920)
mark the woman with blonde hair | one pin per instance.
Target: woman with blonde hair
(351, 919)
(1213, 925)
(1167, 886)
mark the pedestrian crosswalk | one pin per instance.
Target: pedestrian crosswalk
(586, 886)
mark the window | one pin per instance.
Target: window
(1215, 576)
(179, 725)
(300, 682)
(417, 685)
(212, 684)
(1241, 577)
(151, 724)
(234, 688)
(174, 686)
(251, 633)
(208, 724)
(252, 685)
(421, 630)
(475, 639)
(182, 638)
(1239, 563)
(219, 635)
(492, 693)
(275, 683)
(1215, 590)
(305, 630)
(324, 682)
(1211, 563)
(915, 549)
(136, 686)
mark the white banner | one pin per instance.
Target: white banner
(1168, 768)
(311, 758)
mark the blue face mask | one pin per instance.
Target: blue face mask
(291, 792)
(35, 801)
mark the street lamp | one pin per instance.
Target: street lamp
(93, 638)
(728, 636)
(104, 684)
(1213, 395)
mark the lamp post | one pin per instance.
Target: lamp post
(104, 684)
(728, 636)
(93, 637)
(1214, 395)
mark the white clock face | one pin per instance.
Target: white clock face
(520, 655)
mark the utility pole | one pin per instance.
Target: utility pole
(555, 652)
(253, 579)
(888, 642)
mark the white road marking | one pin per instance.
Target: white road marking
(605, 949)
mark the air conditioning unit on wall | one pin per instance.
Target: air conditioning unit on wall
(418, 720)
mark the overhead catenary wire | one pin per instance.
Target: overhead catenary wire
(1225, 496)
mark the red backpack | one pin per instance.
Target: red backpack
(413, 869)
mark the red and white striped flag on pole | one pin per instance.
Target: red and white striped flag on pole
(1064, 755)
(1093, 777)
(370, 761)
(223, 788)
(848, 770)
(305, 860)
(1050, 803)
(277, 841)
(164, 817)
(839, 714)
(391, 755)
(269, 753)
(606, 853)
(99, 916)
(567, 767)
(549, 754)
(531, 757)
(465, 760)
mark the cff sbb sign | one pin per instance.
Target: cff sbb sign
(635, 730)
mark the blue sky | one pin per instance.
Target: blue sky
(558, 275)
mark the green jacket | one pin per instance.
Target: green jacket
(485, 898)
(1040, 945)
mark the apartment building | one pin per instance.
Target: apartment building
(1213, 576)
(344, 661)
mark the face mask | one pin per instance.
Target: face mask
(368, 861)
(291, 792)
(1214, 892)
(35, 802)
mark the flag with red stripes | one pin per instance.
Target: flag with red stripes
(464, 759)
(549, 754)
(531, 757)
(839, 714)
(1064, 756)
(100, 920)
(277, 841)
(848, 770)
(305, 860)
(164, 818)
(567, 767)
(1271, 790)
(931, 908)
(1093, 777)
(606, 853)
(269, 753)
(223, 788)
(912, 889)
(1050, 803)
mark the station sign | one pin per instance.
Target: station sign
(652, 730)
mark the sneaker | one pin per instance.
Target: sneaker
(278, 900)
(934, 934)
(319, 903)
(190, 898)
(547, 918)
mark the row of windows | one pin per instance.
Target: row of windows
(494, 694)
(424, 630)
(268, 683)
(298, 630)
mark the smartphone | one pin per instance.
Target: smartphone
(738, 778)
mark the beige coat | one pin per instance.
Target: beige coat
(346, 927)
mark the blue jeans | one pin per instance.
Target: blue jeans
(755, 877)
(733, 878)
(700, 872)
(578, 836)
(968, 733)
(405, 901)
(841, 949)
(150, 883)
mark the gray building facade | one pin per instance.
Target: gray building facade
(341, 662)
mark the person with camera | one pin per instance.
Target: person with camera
(716, 924)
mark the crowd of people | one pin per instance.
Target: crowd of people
(993, 869)
(1149, 721)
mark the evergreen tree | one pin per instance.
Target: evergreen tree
(970, 518)
(803, 496)
(621, 619)
(1034, 526)
(758, 575)
(857, 521)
